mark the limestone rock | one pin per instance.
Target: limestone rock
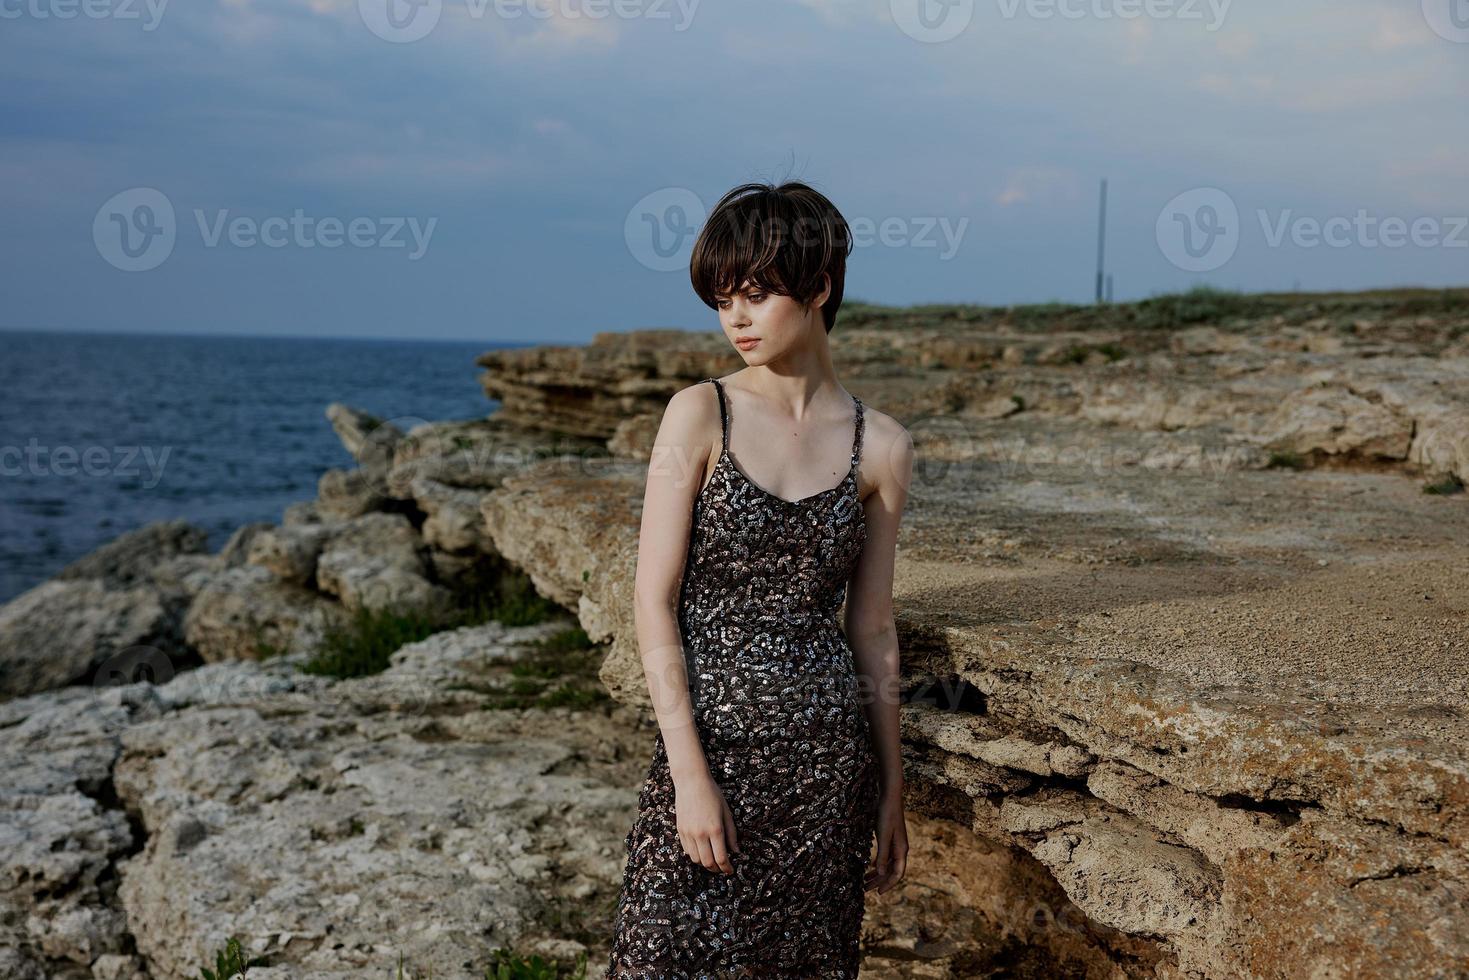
(64, 631)
(345, 494)
(576, 537)
(290, 552)
(236, 550)
(247, 613)
(129, 559)
(329, 824)
(378, 562)
(454, 523)
(1336, 421)
(1122, 875)
(368, 438)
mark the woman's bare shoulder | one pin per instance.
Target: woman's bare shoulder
(884, 436)
(689, 414)
(887, 451)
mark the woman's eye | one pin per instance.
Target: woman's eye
(752, 297)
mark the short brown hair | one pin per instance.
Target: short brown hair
(784, 239)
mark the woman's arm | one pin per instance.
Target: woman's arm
(872, 634)
(676, 469)
(675, 472)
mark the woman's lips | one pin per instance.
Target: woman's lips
(747, 343)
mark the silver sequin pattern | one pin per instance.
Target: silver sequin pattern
(778, 710)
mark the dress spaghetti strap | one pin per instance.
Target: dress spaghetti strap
(723, 414)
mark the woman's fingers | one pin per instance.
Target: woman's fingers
(897, 867)
(707, 848)
(729, 829)
(712, 853)
(888, 868)
(704, 824)
(721, 854)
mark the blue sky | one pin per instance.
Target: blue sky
(500, 178)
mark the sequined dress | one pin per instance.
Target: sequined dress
(778, 709)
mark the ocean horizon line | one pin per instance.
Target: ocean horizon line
(171, 335)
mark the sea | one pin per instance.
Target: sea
(103, 433)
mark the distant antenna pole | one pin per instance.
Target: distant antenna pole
(1101, 237)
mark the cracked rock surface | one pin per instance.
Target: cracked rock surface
(331, 825)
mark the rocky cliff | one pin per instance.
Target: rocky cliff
(1184, 646)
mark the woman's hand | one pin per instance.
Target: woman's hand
(705, 823)
(892, 846)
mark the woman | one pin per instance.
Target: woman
(777, 758)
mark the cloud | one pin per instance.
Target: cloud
(550, 127)
(1139, 36)
(1436, 179)
(1409, 85)
(1236, 44)
(555, 27)
(1400, 28)
(846, 12)
(1237, 86)
(1039, 183)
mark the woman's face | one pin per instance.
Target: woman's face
(763, 326)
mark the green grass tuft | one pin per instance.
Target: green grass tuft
(491, 591)
(230, 962)
(1287, 460)
(365, 643)
(507, 965)
(1449, 484)
(558, 672)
